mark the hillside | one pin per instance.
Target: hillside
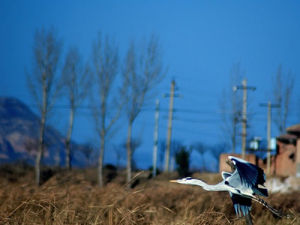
(19, 129)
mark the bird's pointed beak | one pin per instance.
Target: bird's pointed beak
(173, 181)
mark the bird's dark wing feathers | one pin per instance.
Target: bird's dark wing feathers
(250, 174)
(242, 205)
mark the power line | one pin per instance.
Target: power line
(196, 121)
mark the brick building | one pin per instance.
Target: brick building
(286, 161)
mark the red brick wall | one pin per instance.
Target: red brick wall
(285, 165)
(298, 158)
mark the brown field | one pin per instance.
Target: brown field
(73, 198)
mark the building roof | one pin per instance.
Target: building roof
(295, 129)
(287, 138)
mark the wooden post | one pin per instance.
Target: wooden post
(270, 106)
(155, 139)
(244, 120)
(269, 138)
(167, 155)
(244, 87)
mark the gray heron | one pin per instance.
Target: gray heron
(244, 184)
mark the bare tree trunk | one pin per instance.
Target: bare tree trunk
(40, 152)
(41, 139)
(129, 151)
(68, 139)
(100, 160)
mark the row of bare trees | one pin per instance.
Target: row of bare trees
(117, 87)
(114, 87)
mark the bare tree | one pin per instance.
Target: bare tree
(142, 72)
(182, 157)
(107, 104)
(74, 83)
(41, 82)
(282, 92)
(231, 108)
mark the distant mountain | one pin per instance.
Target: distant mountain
(19, 130)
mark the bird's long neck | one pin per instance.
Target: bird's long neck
(210, 187)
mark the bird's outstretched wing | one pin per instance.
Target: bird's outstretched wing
(242, 205)
(250, 175)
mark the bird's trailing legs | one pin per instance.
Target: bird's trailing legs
(248, 219)
(265, 204)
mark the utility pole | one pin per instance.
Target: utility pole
(270, 106)
(234, 123)
(244, 87)
(169, 133)
(155, 138)
(244, 118)
(234, 135)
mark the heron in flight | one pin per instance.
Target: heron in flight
(244, 184)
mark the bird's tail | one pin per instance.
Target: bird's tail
(265, 204)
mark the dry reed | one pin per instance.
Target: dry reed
(72, 198)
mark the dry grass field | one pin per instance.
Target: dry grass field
(73, 198)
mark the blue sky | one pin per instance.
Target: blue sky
(201, 40)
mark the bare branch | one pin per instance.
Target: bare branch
(282, 92)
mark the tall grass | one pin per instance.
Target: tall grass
(72, 198)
